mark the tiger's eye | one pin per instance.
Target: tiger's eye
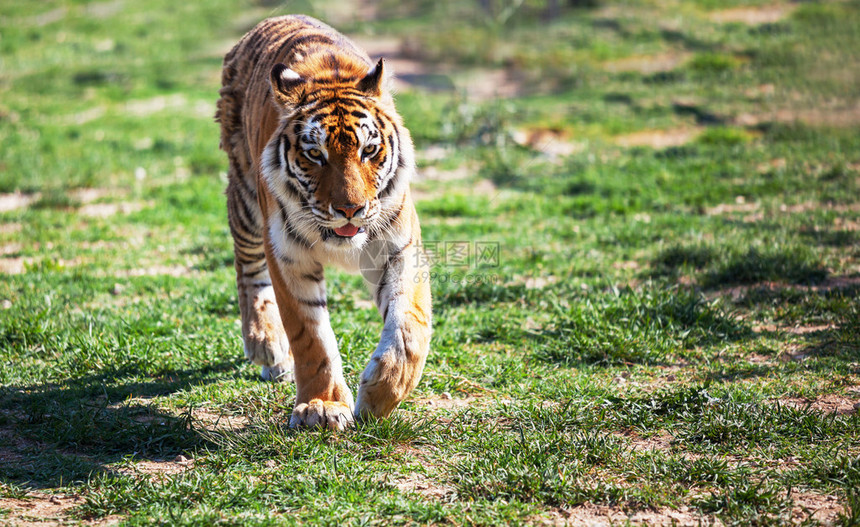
(315, 152)
(369, 149)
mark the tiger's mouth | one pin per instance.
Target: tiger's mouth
(349, 230)
(346, 232)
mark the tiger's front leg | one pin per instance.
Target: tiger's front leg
(402, 294)
(322, 396)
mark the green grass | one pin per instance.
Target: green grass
(663, 330)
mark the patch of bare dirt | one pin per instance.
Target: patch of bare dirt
(219, 421)
(662, 441)
(828, 404)
(84, 196)
(10, 228)
(842, 115)
(647, 64)
(739, 206)
(38, 509)
(104, 9)
(14, 265)
(89, 195)
(420, 484)
(409, 72)
(445, 401)
(834, 283)
(156, 270)
(548, 141)
(157, 470)
(106, 210)
(534, 282)
(753, 15)
(794, 330)
(659, 139)
(16, 200)
(603, 515)
(825, 509)
(10, 248)
(807, 206)
(485, 84)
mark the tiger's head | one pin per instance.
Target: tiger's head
(340, 159)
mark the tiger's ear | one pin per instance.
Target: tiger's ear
(288, 87)
(373, 83)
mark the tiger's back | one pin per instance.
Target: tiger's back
(319, 170)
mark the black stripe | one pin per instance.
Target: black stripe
(298, 238)
(255, 273)
(289, 232)
(240, 240)
(305, 41)
(249, 222)
(389, 186)
(246, 247)
(281, 206)
(247, 225)
(313, 303)
(313, 277)
(278, 151)
(283, 147)
(291, 174)
(242, 261)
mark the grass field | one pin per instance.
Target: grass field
(658, 322)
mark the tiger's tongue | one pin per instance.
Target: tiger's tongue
(347, 230)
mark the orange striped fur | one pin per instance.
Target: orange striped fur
(319, 169)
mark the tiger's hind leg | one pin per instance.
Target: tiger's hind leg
(263, 332)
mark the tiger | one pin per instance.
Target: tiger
(319, 170)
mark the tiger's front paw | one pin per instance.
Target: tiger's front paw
(334, 415)
(385, 382)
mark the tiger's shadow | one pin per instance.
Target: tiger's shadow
(58, 434)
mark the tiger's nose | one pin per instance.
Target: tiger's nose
(350, 211)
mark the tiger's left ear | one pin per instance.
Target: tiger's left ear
(373, 83)
(288, 87)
